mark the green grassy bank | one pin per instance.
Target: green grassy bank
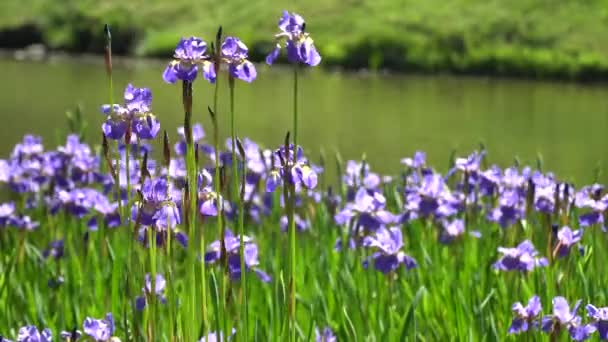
(533, 38)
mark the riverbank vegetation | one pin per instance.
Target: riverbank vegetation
(516, 38)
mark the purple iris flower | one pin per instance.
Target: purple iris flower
(31, 334)
(591, 198)
(300, 46)
(197, 135)
(522, 258)
(563, 317)
(232, 244)
(301, 224)
(135, 115)
(451, 230)
(7, 210)
(158, 211)
(600, 320)
(489, 181)
(157, 207)
(369, 210)
(544, 192)
(217, 337)
(525, 315)
(207, 197)
(431, 197)
(31, 146)
(23, 222)
(388, 256)
(99, 329)
(511, 208)
(359, 175)
(190, 56)
(566, 238)
(54, 250)
(234, 54)
(416, 162)
(325, 335)
(471, 163)
(159, 290)
(295, 170)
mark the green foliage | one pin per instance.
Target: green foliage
(536, 38)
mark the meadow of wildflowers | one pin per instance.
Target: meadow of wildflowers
(151, 235)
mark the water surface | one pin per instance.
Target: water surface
(386, 117)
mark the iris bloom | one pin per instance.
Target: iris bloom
(159, 290)
(471, 163)
(235, 54)
(600, 320)
(217, 337)
(295, 170)
(99, 329)
(566, 238)
(416, 162)
(563, 317)
(368, 208)
(591, 198)
(232, 244)
(525, 315)
(300, 47)
(388, 256)
(31, 334)
(189, 59)
(452, 230)
(325, 335)
(522, 258)
(135, 115)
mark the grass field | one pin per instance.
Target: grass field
(534, 38)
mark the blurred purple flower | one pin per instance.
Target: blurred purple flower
(451, 230)
(54, 250)
(232, 245)
(159, 290)
(300, 47)
(325, 335)
(368, 208)
(99, 329)
(301, 224)
(31, 334)
(388, 256)
(217, 337)
(522, 258)
(416, 162)
(566, 238)
(563, 317)
(600, 320)
(295, 170)
(525, 315)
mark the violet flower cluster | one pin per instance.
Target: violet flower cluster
(99, 330)
(214, 255)
(134, 119)
(562, 318)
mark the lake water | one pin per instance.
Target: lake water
(386, 117)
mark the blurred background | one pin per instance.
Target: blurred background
(526, 78)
